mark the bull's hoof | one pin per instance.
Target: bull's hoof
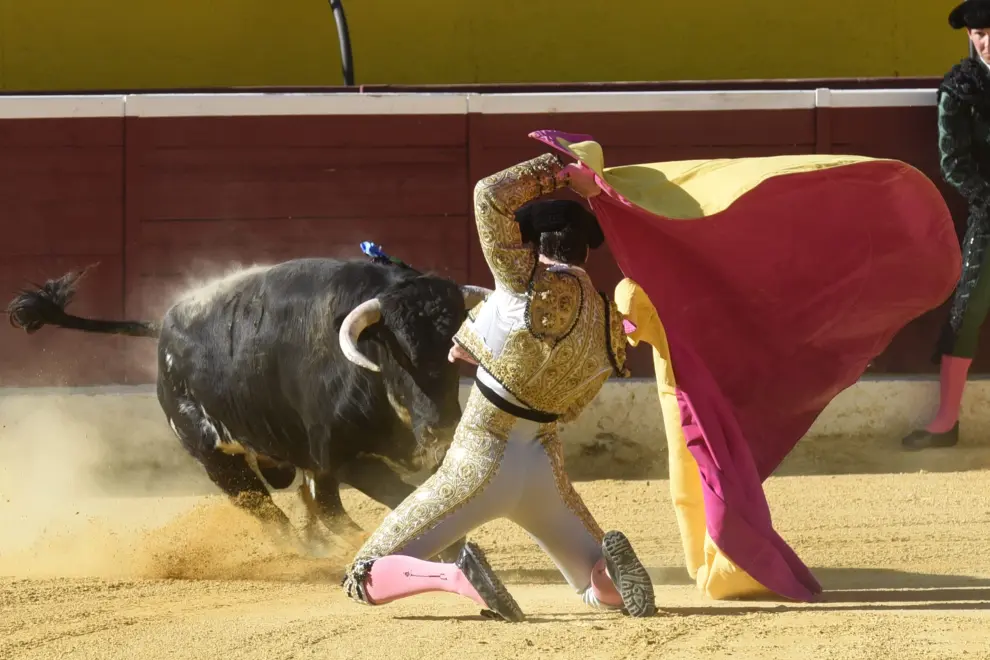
(479, 573)
(922, 439)
(629, 575)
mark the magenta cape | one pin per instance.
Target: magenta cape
(772, 306)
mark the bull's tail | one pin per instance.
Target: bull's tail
(45, 305)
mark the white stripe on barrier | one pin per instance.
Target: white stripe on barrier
(551, 103)
(298, 104)
(881, 98)
(59, 107)
(239, 105)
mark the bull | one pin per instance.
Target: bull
(333, 368)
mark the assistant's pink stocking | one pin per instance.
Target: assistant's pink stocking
(952, 382)
(398, 576)
(604, 588)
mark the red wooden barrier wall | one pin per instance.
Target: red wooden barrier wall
(165, 201)
(61, 186)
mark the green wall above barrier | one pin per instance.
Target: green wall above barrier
(141, 44)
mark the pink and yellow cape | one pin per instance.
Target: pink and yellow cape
(766, 285)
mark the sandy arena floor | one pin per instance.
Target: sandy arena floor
(903, 557)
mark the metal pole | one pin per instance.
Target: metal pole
(344, 37)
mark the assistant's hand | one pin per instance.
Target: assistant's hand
(581, 180)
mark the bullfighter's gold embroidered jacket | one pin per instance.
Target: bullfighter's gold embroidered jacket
(545, 334)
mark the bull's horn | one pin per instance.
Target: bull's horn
(474, 295)
(367, 313)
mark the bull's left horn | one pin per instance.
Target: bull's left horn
(474, 295)
(367, 313)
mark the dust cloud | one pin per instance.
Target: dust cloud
(62, 513)
(97, 486)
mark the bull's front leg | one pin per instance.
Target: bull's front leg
(312, 525)
(381, 483)
(321, 495)
(232, 474)
(237, 480)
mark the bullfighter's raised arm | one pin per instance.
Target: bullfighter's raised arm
(496, 199)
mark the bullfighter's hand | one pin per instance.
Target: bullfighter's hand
(581, 179)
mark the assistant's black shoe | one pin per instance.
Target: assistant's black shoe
(922, 439)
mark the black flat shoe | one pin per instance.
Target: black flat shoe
(922, 439)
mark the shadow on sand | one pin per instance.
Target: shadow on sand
(853, 589)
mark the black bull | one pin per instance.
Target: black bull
(336, 368)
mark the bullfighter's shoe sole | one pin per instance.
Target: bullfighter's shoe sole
(629, 575)
(479, 573)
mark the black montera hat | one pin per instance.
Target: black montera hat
(972, 14)
(551, 215)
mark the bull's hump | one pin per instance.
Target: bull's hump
(206, 294)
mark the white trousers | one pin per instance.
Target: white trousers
(498, 466)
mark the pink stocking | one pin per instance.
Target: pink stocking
(398, 576)
(604, 588)
(953, 381)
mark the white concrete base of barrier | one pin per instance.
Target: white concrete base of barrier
(621, 434)
(120, 436)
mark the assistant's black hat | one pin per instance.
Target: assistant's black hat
(972, 14)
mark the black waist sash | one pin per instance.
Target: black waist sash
(511, 408)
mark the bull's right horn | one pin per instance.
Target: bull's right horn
(367, 313)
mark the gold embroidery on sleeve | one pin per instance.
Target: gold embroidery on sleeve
(496, 199)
